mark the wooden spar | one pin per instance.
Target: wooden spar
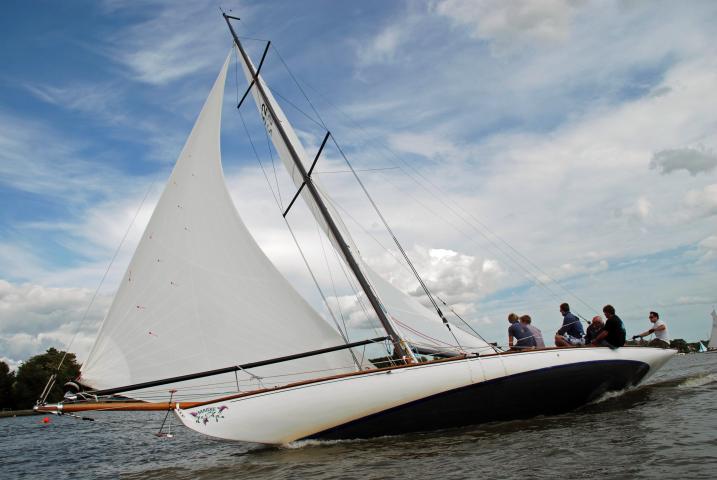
(233, 368)
(114, 407)
(164, 406)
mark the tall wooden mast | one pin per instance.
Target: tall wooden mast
(400, 347)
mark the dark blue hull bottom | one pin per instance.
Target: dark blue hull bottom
(541, 392)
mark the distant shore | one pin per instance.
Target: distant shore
(17, 413)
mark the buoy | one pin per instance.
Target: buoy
(46, 420)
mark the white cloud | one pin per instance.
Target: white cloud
(687, 300)
(100, 100)
(703, 202)
(637, 212)
(455, 277)
(509, 22)
(173, 43)
(427, 145)
(708, 249)
(34, 318)
(36, 159)
(384, 47)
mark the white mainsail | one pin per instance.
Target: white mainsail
(713, 335)
(199, 293)
(416, 323)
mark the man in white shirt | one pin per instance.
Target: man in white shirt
(662, 338)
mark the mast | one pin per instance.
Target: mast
(345, 250)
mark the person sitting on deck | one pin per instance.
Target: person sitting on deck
(571, 333)
(594, 329)
(523, 339)
(525, 320)
(613, 334)
(662, 339)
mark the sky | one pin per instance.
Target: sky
(525, 153)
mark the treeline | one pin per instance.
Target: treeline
(678, 344)
(19, 390)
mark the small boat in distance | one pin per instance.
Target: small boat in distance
(203, 312)
(712, 345)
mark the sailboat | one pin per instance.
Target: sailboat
(712, 345)
(204, 325)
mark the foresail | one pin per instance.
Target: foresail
(416, 324)
(199, 293)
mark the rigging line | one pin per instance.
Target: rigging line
(356, 293)
(354, 288)
(243, 37)
(505, 242)
(296, 241)
(273, 166)
(393, 154)
(393, 255)
(331, 277)
(435, 341)
(398, 244)
(358, 297)
(528, 274)
(297, 108)
(104, 276)
(276, 50)
(358, 170)
(321, 292)
(256, 154)
(461, 318)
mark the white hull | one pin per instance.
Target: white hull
(352, 406)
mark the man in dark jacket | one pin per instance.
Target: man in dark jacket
(613, 334)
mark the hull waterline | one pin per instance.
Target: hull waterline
(427, 396)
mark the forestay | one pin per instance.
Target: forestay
(199, 293)
(418, 325)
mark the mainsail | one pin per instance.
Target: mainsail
(713, 336)
(416, 324)
(199, 293)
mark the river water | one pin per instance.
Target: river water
(666, 428)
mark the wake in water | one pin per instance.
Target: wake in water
(698, 380)
(641, 392)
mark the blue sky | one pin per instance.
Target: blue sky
(581, 133)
